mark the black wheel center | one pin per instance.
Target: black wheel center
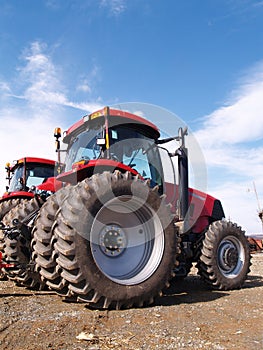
(231, 257)
(112, 240)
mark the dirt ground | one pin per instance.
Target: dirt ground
(188, 316)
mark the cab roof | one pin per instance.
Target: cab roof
(115, 117)
(40, 161)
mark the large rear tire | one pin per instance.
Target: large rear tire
(225, 257)
(43, 253)
(116, 241)
(18, 249)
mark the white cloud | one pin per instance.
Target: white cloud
(116, 7)
(232, 141)
(258, 4)
(4, 87)
(240, 204)
(42, 86)
(22, 136)
(86, 82)
(238, 122)
(53, 4)
(28, 106)
(84, 86)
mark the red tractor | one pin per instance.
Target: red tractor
(30, 180)
(121, 230)
(22, 175)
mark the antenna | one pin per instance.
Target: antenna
(255, 190)
(260, 210)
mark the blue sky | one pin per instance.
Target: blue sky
(200, 59)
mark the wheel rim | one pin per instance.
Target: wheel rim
(231, 256)
(127, 240)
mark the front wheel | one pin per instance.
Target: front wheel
(225, 258)
(116, 241)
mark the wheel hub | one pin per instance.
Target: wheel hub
(231, 257)
(112, 240)
(228, 256)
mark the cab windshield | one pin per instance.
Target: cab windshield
(128, 145)
(35, 175)
(83, 147)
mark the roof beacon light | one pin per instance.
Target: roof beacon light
(57, 132)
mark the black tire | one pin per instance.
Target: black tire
(225, 257)
(43, 253)
(6, 205)
(97, 241)
(18, 249)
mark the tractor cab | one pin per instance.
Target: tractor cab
(112, 140)
(28, 172)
